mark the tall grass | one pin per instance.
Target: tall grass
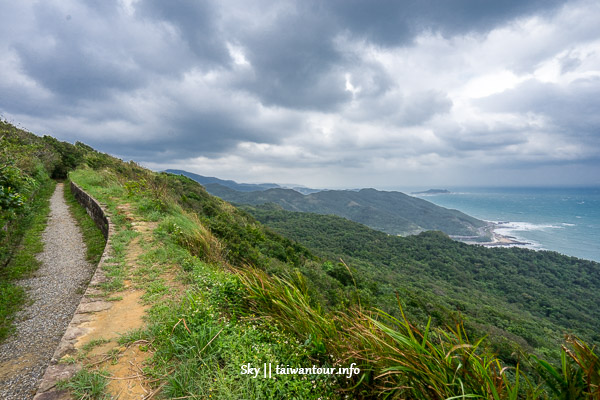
(399, 360)
(289, 304)
(395, 357)
(190, 233)
(407, 362)
(577, 377)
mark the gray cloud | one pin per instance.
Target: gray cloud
(392, 23)
(569, 63)
(572, 109)
(73, 65)
(295, 61)
(399, 109)
(275, 88)
(196, 23)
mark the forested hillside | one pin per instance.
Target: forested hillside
(529, 297)
(391, 212)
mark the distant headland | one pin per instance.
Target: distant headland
(433, 191)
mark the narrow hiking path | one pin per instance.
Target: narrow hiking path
(55, 291)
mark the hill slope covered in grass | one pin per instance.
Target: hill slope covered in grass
(391, 212)
(244, 294)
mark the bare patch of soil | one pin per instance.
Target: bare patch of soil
(125, 364)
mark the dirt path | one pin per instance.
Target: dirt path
(55, 291)
(123, 364)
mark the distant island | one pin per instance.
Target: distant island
(433, 191)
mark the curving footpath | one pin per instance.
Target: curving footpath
(55, 290)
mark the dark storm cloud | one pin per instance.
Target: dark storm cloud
(392, 23)
(197, 24)
(72, 64)
(296, 63)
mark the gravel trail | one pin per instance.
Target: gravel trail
(55, 291)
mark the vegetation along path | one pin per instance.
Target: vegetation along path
(55, 290)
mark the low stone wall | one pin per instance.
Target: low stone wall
(93, 208)
(90, 303)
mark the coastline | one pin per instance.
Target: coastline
(495, 239)
(564, 220)
(499, 240)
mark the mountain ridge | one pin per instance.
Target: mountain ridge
(242, 187)
(391, 212)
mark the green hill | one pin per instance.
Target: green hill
(244, 293)
(391, 212)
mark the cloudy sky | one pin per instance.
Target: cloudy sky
(325, 93)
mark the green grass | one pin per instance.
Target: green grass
(115, 267)
(93, 344)
(23, 261)
(201, 343)
(92, 236)
(87, 385)
(105, 186)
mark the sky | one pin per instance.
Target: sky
(336, 93)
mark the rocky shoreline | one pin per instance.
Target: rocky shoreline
(494, 239)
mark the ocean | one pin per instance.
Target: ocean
(566, 220)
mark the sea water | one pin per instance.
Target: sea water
(566, 220)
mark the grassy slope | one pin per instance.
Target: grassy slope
(25, 188)
(201, 340)
(27, 164)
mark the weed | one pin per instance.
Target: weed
(86, 348)
(87, 385)
(68, 360)
(133, 336)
